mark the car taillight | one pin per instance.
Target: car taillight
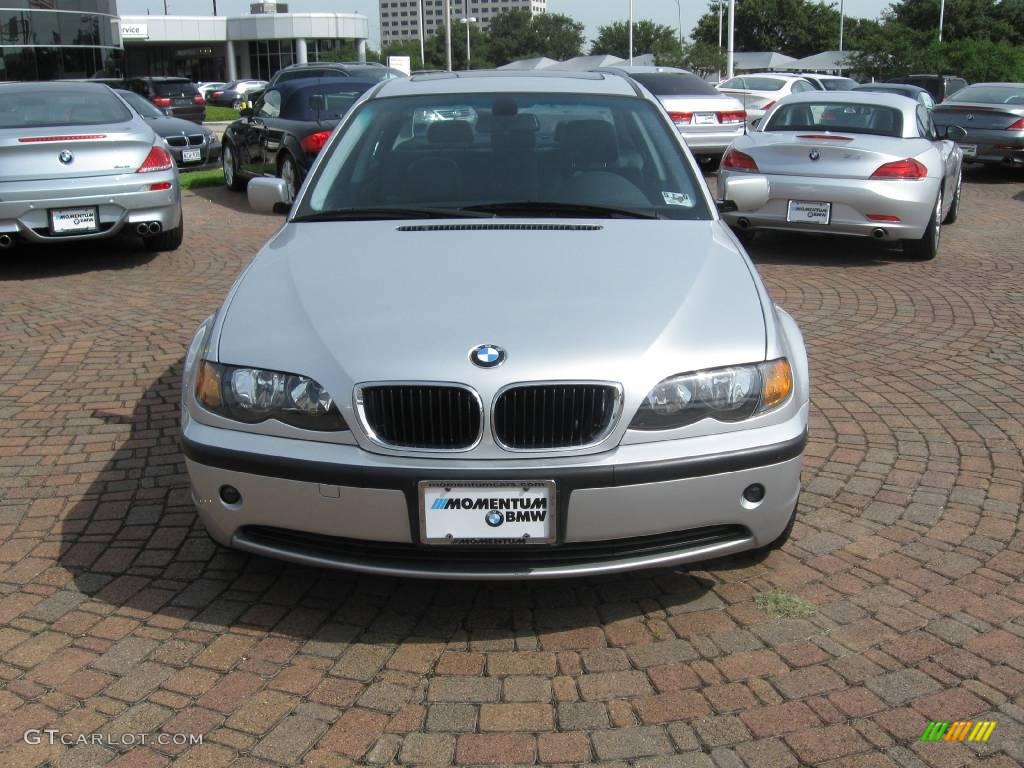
(1018, 126)
(901, 169)
(315, 141)
(198, 99)
(738, 161)
(681, 118)
(161, 101)
(217, 94)
(883, 217)
(158, 159)
(731, 117)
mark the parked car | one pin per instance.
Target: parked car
(918, 94)
(707, 119)
(851, 163)
(190, 145)
(176, 96)
(829, 82)
(759, 92)
(285, 129)
(236, 93)
(77, 164)
(992, 116)
(387, 390)
(367, 70)
(207, 88)
(941, 87)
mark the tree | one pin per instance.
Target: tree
(703, 58)
(559, 37)
(963, 19)
(648, 37)
(795, 27)
(518, 34)
(479, 43)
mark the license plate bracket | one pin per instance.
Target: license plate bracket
(74, 220)
(488, 513)
(809, 212)
(191, 155)
(705, 118)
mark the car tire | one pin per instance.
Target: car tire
(288, 172)
(954, 208)
(168, 240)
(927, 248)
(230, 165)
(745, 236)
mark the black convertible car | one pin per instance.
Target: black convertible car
(285, 129)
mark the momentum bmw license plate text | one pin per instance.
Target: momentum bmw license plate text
(487, 513)
(810, 212)
(64, 220)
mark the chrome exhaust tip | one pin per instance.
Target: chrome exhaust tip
(142, 229)
(154, 227)
(743, 223)
(6, 241)
(878, 233)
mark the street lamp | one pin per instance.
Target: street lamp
(631, 33)
(679, 21)
(423, 52)
(842, 18)
(942, 12)
(467, 21)
(732, 38)
(448, 32)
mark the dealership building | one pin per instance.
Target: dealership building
(52, 39)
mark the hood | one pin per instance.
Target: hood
(632, 302)
(175, 126)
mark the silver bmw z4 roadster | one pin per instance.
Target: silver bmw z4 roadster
(502, 334)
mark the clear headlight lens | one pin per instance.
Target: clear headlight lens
(724, 394)
(252, 395)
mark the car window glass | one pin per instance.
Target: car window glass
(175, 88)
(922, 123)
(839, 84)
(483, 149)
(990, 94)
(674, 84)
(764, 83)
(271, 105)
(736, 82)
(836, 116)
(927, 100)
(140, 105)
(800, 86)
(61, 107)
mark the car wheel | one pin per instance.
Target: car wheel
(954, 208)
(745, 236)
(230, 165)
(168, 240)
(290, 175)
(927, 248)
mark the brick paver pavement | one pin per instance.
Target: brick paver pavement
(119, 616)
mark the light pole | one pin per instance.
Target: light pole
(842, 18)
(448, 32)
(630, 32)
(942, 12)
(679, 21)
(467, 21)
(423, 53)
(720, 6)
(732, 38)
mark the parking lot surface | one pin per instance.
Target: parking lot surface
(120, 617)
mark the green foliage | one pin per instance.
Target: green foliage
(964, 19)
(517, 34)
(648, 37)
(784, 604)
(220, 114)
(796, 27)
(196, 179)
(703, 58)
(479, 48)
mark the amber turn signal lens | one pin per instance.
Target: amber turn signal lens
(208, 385)
(777, 382)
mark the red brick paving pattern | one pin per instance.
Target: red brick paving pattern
(118, 614)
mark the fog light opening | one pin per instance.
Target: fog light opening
(753, 494)
(230, 495)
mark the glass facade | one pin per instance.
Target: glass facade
(52, 39)
(268, 56)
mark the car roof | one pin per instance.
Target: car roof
(51, 85)
(164, 79)
(783, 75)
(999, 85)
(637, 69)
(503, 81)
(880, 87)
(823, 77)
(851, 97)
(288, 87)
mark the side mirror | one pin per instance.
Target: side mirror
(267, 195)
(316, 103)
(955, 133)
(746, 193)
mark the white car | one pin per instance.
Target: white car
(829, 82)
(758, 92)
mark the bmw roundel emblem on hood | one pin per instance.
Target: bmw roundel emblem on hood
(487, 356)
(66, 157)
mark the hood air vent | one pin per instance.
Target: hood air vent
(499, 227)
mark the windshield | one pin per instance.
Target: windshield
(990, 94)
(60, 107)
(449, 152)
(140, 105)
(175, 88)
(763, 83)
(837, 83)
(326, 102)
(836, 116)
(675, 84)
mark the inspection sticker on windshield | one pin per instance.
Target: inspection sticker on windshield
(677, 198)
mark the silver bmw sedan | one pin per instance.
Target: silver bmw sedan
(77, 164)
(523, 346)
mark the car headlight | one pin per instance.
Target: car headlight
(253, 395)
(724, 394)
(211, 137)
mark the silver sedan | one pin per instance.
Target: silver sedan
(851, 163)
(525, 347)
(992, 114)
(77, 164)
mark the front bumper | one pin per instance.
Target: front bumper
(209, 153)
(852, 200)
(339, 506)
(121, 201)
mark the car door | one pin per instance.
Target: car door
(268, 106)
(272, 131)
(947, 150)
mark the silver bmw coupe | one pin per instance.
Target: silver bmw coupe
(523, 346)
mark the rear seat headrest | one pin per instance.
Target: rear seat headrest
(450, 132)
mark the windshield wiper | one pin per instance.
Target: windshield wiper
(392, 214)
(562, 210)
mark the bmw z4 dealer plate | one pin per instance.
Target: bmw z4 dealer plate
(809, 212)
(487, 513)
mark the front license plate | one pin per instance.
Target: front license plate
(191, 155)
(64, 220)
(969, 150)
(809, 212)
(487, 513)
(705, 118)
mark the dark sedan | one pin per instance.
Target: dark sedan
(190, 145)
(236, 93)
(918, 94)
(993, 116)
(285, 129)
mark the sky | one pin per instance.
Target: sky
(593, 13)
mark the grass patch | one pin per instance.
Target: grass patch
(783, 603)
(217, 114)
(195, 179)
